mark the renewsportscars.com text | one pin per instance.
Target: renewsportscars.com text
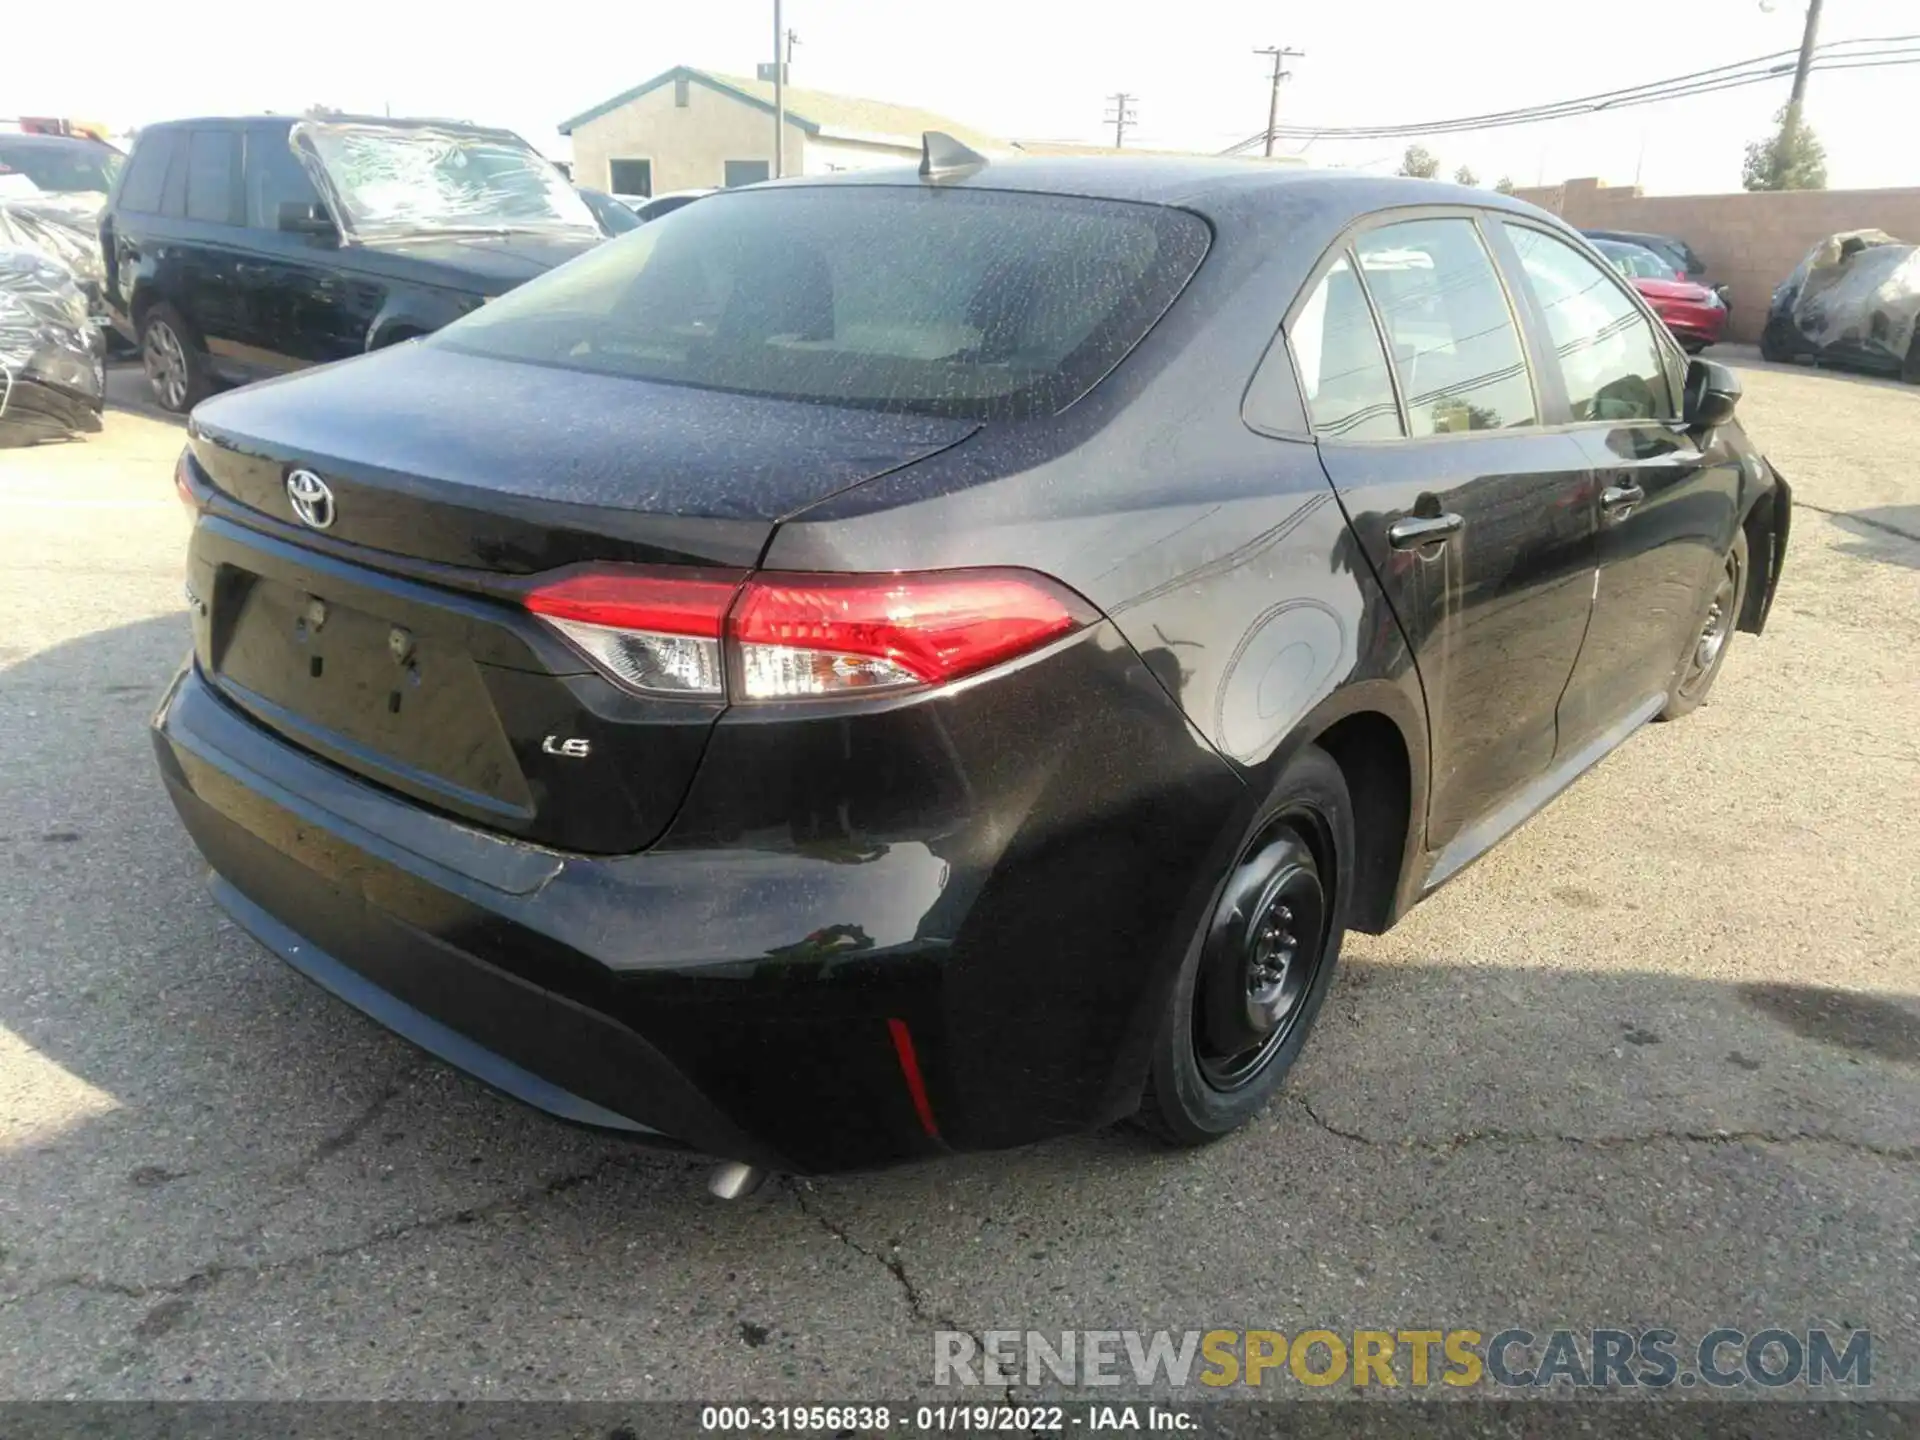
(1509, 1359)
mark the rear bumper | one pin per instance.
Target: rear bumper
(298, 861)
(740, 992)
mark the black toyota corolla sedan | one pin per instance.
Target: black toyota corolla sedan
(866, 668)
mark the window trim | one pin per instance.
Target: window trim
(1352, 257)
(1663, 340)
(1343, 245)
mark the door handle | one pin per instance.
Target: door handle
(1618, 500)
(1418, 530)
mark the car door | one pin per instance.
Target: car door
(210, 243)
(126, 234)
(303, 307)
(1476, 519)
(1666, 506)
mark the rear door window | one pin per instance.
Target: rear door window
(1455, 346)
(1612, 363)
(213, 172)
(147, 172)
(973, 303)
(1343, 371)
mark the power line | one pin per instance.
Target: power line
(1123, 117)
(1897, 50)
(1703, 83)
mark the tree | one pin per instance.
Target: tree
(1504, 185)
(1419, 161)
(1465, 176)
(1791, 159)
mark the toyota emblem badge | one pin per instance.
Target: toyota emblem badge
(312, 500)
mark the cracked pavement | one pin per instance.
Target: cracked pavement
(1654, 1061)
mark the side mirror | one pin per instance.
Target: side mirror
(303, 217)
(1713, 392)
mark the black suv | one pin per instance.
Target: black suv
(241, 248)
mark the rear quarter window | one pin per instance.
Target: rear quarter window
(959, 302)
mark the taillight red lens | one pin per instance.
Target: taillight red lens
(183, 483)
(807, 634)
(654, 631)
(672, 602)
(661, 631)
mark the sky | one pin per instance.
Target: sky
(1028, 69)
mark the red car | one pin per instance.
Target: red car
(1696, 315)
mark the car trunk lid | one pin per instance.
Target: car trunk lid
(513, 467)
(391, 641)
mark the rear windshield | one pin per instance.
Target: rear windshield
(983, 304)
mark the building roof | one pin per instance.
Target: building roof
(817, 112)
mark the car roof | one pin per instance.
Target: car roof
(31, 140)
(384, 122)
(1200, 183)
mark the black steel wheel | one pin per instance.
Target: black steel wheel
(1254, 977)
(1707, 650)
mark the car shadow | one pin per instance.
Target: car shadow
(1747, 357)
(127, 390)
(1890, 533)
(188, 1117)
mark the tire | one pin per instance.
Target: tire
(1241, 979)
(174, 359)
(1698, 668)
(1773, 348)
(1910, 370)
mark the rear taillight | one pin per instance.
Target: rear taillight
(781, 636)
(655, 631)
(183, 483)
(801, 635)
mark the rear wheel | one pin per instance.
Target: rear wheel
(1773, 346)
(176, 366)
(1910, 371)
(1708, 649)
(1256, 974)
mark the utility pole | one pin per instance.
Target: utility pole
(1280, 56)
(1808, 39)
(779, 94)
(1122, 116)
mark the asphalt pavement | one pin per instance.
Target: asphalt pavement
(1655, 1061)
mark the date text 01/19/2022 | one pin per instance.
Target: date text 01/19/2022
(942, 1419)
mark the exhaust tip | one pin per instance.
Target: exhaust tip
(735, 1180)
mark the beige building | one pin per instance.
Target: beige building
(689, 129)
